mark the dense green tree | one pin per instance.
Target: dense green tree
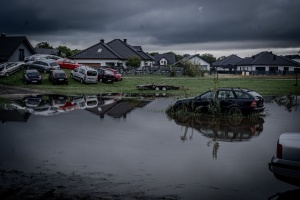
(43, 45)
(133, 61)
(65, 51)
(191, 70)
(208, 58)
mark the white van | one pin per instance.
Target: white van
(84, 74)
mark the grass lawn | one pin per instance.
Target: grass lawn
(279, 85)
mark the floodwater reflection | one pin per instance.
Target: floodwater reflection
(220, 129)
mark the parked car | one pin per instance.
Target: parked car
(44, 65)
(10, 67)
(285, 164)
(67, 63)
(31, 76)
(105, 76)
(41, 57)
(117, 75)
(231, 100)
(84, 74)
(58, 77)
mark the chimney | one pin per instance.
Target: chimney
(102, 40)
(125, 40)
(2, 34)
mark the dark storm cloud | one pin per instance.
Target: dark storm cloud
(259, 24)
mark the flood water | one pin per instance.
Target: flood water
(132, 141)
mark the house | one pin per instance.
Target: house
(14, 48)
(112, 54)
(195, 60)
(164, 59)
(227, 64)
(293, 57)
(267, 63)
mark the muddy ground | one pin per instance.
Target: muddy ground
(19, 185)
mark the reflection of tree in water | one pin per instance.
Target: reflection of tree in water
(220, 129)
(289, 102)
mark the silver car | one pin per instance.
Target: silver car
(10, 67)
(84, 74)
(45, 65)
(285, 164)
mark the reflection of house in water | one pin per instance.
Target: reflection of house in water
(15, 115)
(116, 109)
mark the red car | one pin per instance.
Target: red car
(67, 63)
(117, 75)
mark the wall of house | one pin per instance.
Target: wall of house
(265, 68)
(15, 55)
(198, 61)
(163, 61)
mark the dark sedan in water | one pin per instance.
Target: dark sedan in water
(231, 100)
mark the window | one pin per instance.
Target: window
(21, 55)
(241, 95)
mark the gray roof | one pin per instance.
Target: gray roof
(292, 56)
(267, 58)
(170, 57)
(115, 49)
(9, 44)
(98, 51)
(227, 61)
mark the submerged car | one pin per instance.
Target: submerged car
(32, 76)
(285, 164)
(9, 68)
(231, 100)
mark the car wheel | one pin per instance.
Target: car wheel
(25, 82)
(164, 88)
(28, 67)
(234, 111)
(81, 80)
(71, 75)
(156, 88)
(6, 74)
(100, 80)
(45, 71)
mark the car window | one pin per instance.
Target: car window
(76, 70)
(33, 74)
(54, 64)
(207, 95)
(242, 95)
(91, 73)
(61, 75)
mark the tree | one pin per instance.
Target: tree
(208, 58)
(134, 61)
(221, 58)
(191, 70)
(65, 51)
(43, 45)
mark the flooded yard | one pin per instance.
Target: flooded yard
(120, 146)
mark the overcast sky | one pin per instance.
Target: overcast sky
(219, 27)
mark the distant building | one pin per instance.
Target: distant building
(14, 48)
(267, 63)
(227, 64)
(195, 60)
(112, 54)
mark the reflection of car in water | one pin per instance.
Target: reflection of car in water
(226, 129)
(32, 101)
(79, 101)
(91, 101)
(58, 100)
(285, 164)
